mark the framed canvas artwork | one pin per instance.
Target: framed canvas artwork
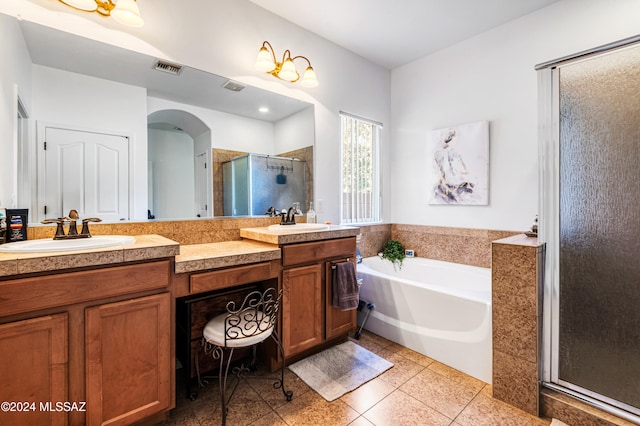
(458, 166)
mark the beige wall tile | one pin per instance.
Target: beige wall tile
(515, 381)
(516, 321)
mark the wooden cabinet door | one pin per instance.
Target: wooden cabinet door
(338, 322)
(128, 360)
(33, 370)
(302, 308)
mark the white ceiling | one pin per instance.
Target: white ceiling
(392, 33)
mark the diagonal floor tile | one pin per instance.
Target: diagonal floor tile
(457, 375)
(416, 357)
(245, 407)
(484, 410)
(367, 395)
(400, 409)
(312, 409)
(439, 392)
(403, 369)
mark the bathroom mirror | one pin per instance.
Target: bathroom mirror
(188, 117)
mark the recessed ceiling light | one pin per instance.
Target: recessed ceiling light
(263, 109)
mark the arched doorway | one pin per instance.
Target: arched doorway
(179, 156)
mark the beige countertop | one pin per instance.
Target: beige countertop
(259, 245)
(199, 257)
(289, 237)
(145, 247)
(520, 240)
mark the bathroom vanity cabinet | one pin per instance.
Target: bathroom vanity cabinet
(87, 347)
(204, 294)
(208, 275)
(308, 319)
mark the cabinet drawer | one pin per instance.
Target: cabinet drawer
(31, 294)
(231, 277)
(318, 251)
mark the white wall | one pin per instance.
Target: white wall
(228, 131)
(491, 77)
(224, 38)
(91, 104)
(294, 132)
(15, 73)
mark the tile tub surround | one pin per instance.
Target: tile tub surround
(459, 245)
(517, 273)
(372, 238)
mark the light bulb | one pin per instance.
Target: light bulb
(309, 78)
(264, 61)
(288, 71)
(127, 13)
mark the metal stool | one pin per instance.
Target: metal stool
(252, 323)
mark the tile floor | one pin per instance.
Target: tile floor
(415, 391)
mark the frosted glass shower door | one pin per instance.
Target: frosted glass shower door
(599, 223)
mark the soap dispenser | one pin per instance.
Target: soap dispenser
(311, 213)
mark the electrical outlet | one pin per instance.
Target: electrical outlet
(320, 206)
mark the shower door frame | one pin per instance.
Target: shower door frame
(549, 227)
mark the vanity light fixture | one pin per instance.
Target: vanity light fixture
(125, 12)
(285, 70)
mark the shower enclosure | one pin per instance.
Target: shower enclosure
(590, 216)
(252, 183)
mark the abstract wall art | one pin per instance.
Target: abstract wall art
(458, 164)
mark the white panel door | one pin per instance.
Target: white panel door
(88, 172)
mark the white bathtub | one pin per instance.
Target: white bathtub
(440, 309)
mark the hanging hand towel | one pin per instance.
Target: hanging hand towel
(345, 286)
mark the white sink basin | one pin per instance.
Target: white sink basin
(299, 227)
(50, 245)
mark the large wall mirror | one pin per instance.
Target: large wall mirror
(170, 129)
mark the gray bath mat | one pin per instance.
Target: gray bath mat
(340, 369)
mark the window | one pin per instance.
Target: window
(360, 180)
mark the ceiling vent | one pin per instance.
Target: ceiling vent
(233, 86)
(168, 67)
